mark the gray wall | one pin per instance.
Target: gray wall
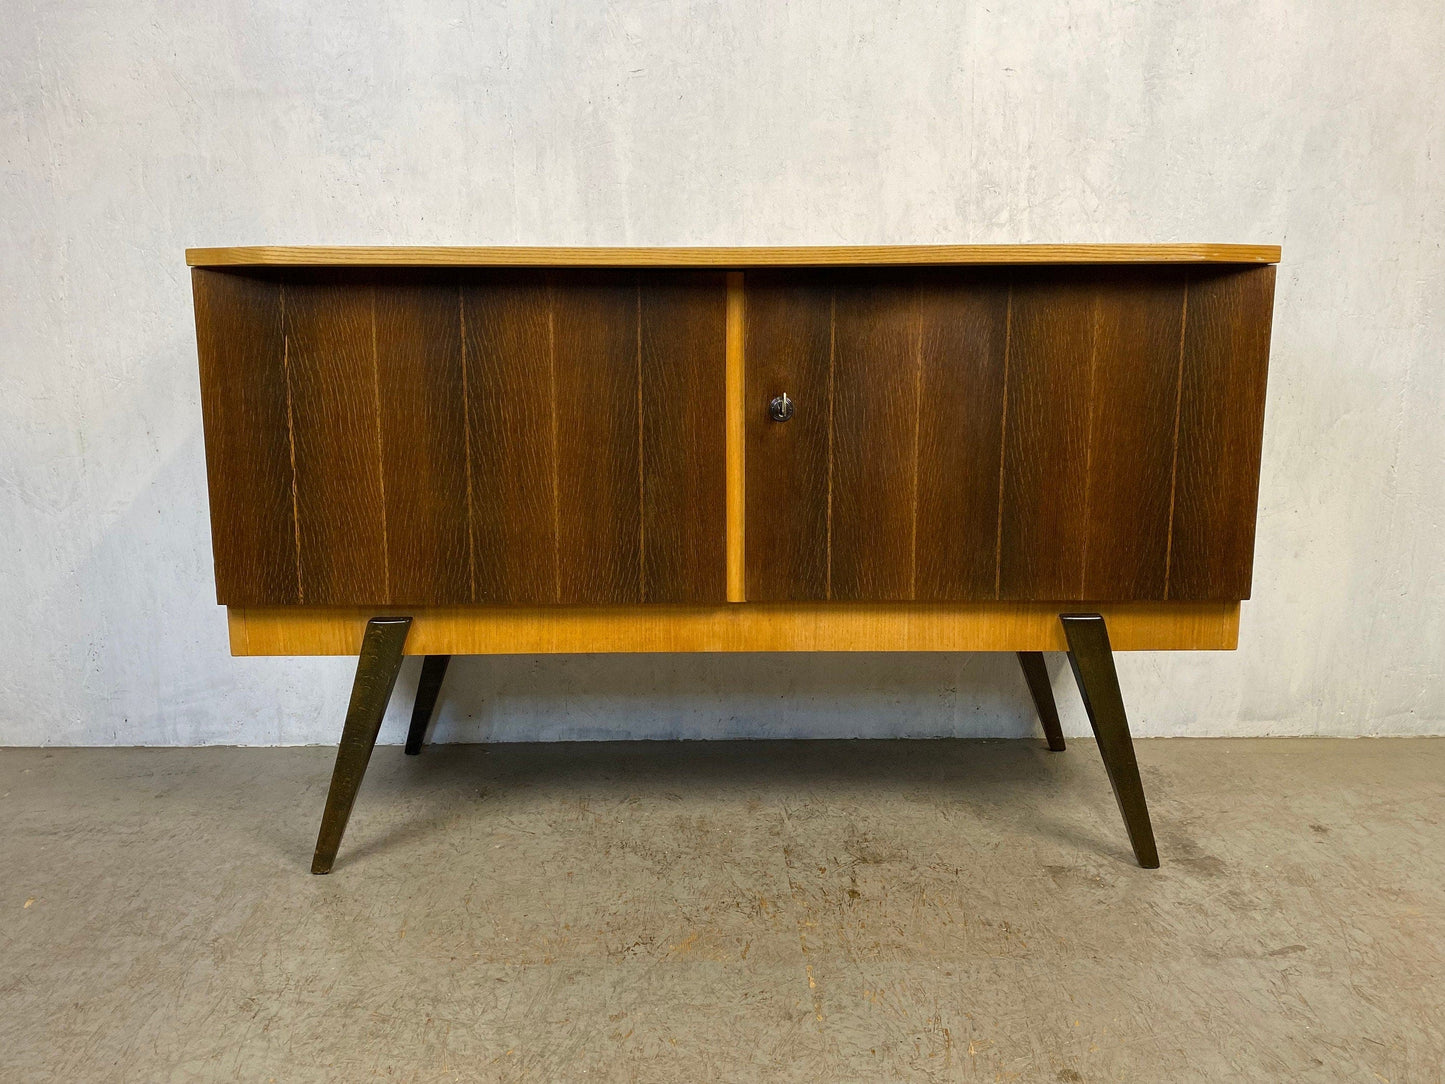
(133, 129)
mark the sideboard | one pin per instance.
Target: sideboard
(443, 451)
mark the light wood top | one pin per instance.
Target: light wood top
(854, 255)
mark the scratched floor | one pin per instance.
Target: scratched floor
(803, 911)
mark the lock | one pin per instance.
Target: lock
(781, 408)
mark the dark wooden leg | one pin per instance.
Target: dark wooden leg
(1093, 664)
(1037, 676)
(376, 672)
(433, 670)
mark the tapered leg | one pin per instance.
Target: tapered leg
(376, 672)
(1093, 664)
(1037, 676)
(433, 670)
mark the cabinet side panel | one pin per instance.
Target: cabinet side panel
(508, 337)
(423, 431)
(684, 459)
(248, 451)
(877, 366)
(1130, 455)
(1221, 429)
(788, 348)
(598, 356)
(964, 318)
(1046, 432)
(330, 322)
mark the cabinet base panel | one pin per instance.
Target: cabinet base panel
(543, 630)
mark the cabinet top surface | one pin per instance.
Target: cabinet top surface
(850, 255)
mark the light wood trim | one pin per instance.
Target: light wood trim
(238, 624)
(984, 626)
(456, 256)
(735, 439)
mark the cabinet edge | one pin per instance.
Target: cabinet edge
(788, 256)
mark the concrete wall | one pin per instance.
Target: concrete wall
(129, 130)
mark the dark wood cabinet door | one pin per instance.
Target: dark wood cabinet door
(1088, 434)
(434, 438)
(1065, 434)
(884, 483)
(515, 436)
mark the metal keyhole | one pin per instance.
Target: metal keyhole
(781, 408)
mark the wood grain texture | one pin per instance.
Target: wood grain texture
(510, 391)
(1089, 434)
(599, 438)
(1133, 396)
(950, 391)
(1221, 430)
(839, 626)
(248, 451)
(877, 372)
(965, 321)
(330, 327)
(1046, 435)
(789, 349)
(501, 437)
(422, 392)
(553, 436)
(792, 256)
(598, 471)
(683, 344)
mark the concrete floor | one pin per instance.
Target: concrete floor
(811, 911)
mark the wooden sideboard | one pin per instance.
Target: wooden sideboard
(444, 451)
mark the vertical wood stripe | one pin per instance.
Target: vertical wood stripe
(467, 443)
(1174, 446)
(1002, 440)
(1091, 418)
(736, 441)
(599, 533)
(873, 475)
(910, 365)
(422, 435)
(554, 422)
(683, 334)
(1225, 361)
(1046, 447)
(832, 402)
(917, 436)
(613, 468)
(787, 341)
(244, 402)
(291, 441)
(380, 451)
(507, 328)
(341, 513)
(1131, 433)
(963, 321)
